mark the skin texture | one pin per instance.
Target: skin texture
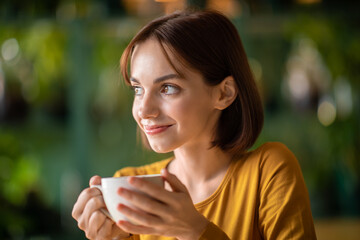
(185, 105)
(177, 114)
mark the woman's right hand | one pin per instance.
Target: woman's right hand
(90, 219)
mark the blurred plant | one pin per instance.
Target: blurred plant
(19, 175)
(32, 59)
(111, 96)
(322, 76)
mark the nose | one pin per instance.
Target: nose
(148, 107)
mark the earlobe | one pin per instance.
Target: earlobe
(227, 93)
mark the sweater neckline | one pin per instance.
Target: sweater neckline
(224, 182)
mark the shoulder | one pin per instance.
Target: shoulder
(284, 207)
(276, 163)
(268, 159)
(153, 168)
(270, 149)
(273, 154)
(272, 159)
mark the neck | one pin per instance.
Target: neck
(200, 163)
(200, 169)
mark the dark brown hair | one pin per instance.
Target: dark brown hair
(209, 43)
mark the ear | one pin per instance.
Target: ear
(226, 93)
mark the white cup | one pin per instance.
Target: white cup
(109, 188)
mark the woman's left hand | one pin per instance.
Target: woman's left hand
(164, 213)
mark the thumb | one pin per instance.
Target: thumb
(95, 180)
(175, 184)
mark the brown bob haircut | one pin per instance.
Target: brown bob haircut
(207, 41)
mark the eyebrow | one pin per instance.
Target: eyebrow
(159, 79)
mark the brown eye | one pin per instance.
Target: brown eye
(137, 90)
(169, 89)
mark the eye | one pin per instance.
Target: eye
(137, 90)
(169, 89)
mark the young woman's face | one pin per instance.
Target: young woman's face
(173, 112)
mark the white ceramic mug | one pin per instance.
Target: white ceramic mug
(109, 188)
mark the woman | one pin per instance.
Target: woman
(195, 96)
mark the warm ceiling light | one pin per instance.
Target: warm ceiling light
(172, 5)
(165, 1)
(231, 8)
(308, 1)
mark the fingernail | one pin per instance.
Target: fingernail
(121, 191)
(121, 222)
(120, 206)
(135, 181)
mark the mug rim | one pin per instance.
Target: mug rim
(141, 176)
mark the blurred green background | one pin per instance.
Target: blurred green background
(65, 114)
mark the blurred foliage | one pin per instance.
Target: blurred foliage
(18, 172)
(23, 212)
(338, 171)
(35, 76)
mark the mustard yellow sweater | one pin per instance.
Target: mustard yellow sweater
(262, 196)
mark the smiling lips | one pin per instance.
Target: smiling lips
(155, 129)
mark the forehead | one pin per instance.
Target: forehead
(151, 59)
(149, 55)
(159, 57)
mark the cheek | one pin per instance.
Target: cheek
(184, 111)
(135, 111)
(177, 109)
(196, 112)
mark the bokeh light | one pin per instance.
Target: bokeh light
(10, 49)
(326, 113)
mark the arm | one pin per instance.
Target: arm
(284, 208)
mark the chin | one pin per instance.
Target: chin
(160, 148)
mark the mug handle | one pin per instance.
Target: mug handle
(103, 210)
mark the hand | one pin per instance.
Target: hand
(90, 219)
(162, 212)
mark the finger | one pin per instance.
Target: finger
(139, 217)
(106, 229)
(135, 229)
(95, 180)
(93, 205)
(117, 232)
(143, 202)
(96, 220)
(155, 191)
(175, 184)
(82, 200)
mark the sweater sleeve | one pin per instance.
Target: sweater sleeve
(284, 207)
(213, 232)
(132, 237)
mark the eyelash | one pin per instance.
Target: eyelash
(134, 88)
(176, 89)
(163, 87)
